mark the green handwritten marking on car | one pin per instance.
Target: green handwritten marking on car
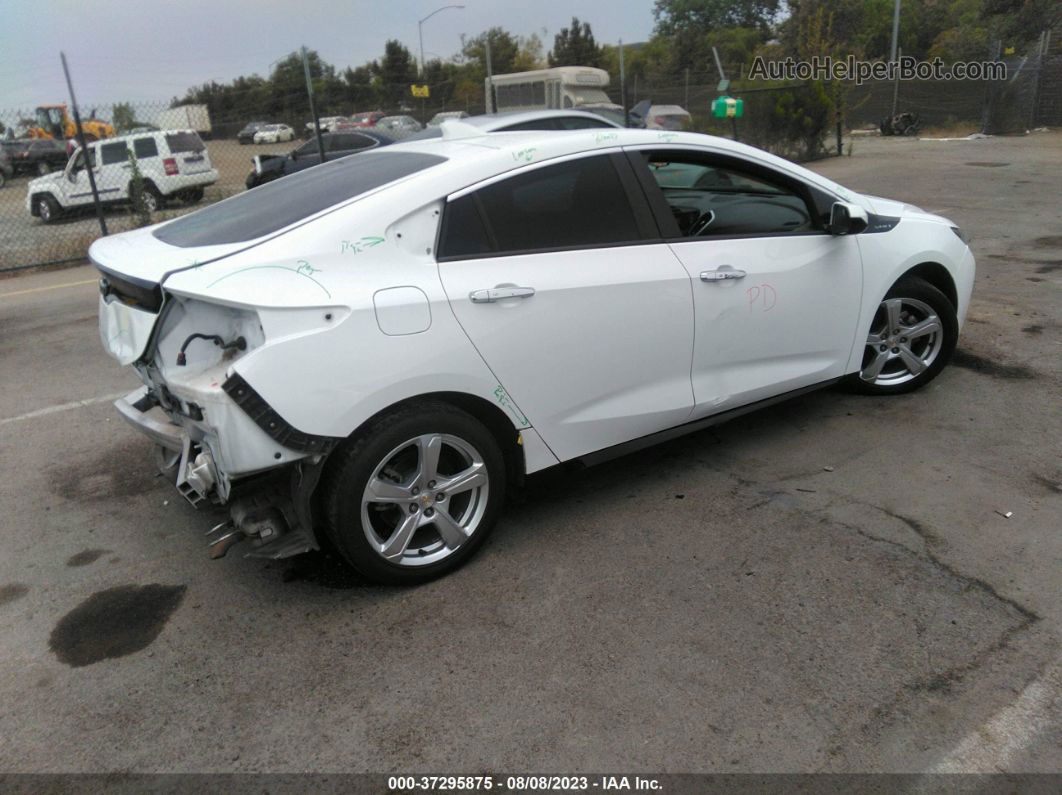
(667, 136)
(607, 137)
(360, 245)
(524, 155)
(304, 269)
(505, 401)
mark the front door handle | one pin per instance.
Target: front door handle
(723, 274)
(500, 293)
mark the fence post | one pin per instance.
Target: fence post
(84, 148)
(986, 101)
(896, 82)
(623, 88)
(313, 107)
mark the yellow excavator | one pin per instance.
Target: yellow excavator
(54, 122)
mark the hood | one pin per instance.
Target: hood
(40, 183)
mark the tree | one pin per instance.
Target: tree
(529, 54)
(504, 49)
(703, 16)
(123, 117)
(395, 73)
(575, 46)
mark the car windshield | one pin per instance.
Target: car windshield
(275, 205)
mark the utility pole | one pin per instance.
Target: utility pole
(686, 101)
(623, 88)
(85, 153)
(313, 107)
(895, 33)
(490, 76)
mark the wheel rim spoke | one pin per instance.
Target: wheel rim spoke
(396, 545)
(914, 364)
(893, 308)
(452, 534)
(385, 491)
(471, 478)
(429, 447)
(873, 369)
(928, 326)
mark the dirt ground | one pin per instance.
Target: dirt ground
(835, 584)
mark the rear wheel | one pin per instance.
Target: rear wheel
(192, 195)
(413, 497)
(911, 339)
(47, 208)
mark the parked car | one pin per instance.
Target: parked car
(274, 134)
(328, 123)
(401, 335)
(35, 155)
(338, 144)
(668, 117)
(246, 135)
(522, 120)
(6, 170)
(439, 118)
(362, 120)
(174, 164)
(399, 126)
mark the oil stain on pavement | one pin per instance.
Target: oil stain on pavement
(979, 364)
(85, 557)
(9, 593)
(114, 623)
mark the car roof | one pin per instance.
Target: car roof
(492, 122)
(474, 155)
(675, 110)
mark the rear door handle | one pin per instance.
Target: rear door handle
(500, 293)
(722, 274)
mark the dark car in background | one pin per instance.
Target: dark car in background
(246, 135)
(6, 172)
(35, 155)
(336, 145)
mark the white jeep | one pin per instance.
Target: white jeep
(173, 163)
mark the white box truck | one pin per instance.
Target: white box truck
(186, 117)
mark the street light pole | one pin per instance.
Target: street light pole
(420, 32)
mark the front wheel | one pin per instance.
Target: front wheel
(47, 209)
(911, 339)
(413, 497)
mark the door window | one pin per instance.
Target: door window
(710, 199)
(145, 147)
(114, 153)
(574, 204)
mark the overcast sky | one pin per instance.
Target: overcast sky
(144, 50)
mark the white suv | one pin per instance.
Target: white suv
(174, 164)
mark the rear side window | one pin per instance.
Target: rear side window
(275, 205)
(184, 142)
(145, 147)
(580, 123)
(577, 203)
(114, 153)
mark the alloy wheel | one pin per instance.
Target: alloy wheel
(425, 499)
(905, 339)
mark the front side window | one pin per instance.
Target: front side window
(574, 204)
(710, 199)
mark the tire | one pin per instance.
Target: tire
(44, 168)
(153, 200)
(48, 209)
(896, 361)
(192, 196)
(380, 512)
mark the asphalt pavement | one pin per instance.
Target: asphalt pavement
(835, 584)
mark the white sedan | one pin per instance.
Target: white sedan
(274, 134)
(375, 350)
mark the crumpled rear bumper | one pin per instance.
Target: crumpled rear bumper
(162, 431)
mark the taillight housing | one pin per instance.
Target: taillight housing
(170, 164)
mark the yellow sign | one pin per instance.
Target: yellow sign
(420, 91)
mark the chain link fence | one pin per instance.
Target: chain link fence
(789, 120)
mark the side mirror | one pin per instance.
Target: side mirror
(847, 219)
